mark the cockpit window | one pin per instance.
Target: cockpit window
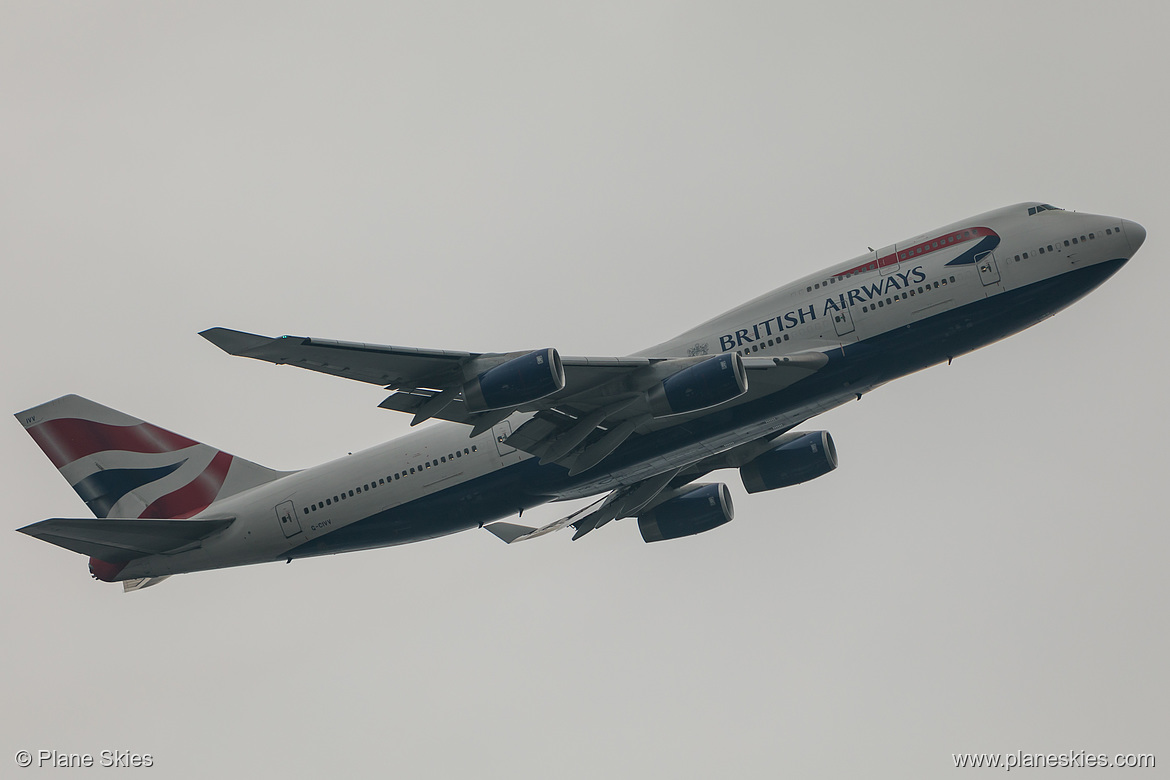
(1042, 207)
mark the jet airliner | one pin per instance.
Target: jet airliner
(525, 428)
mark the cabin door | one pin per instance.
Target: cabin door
(988, 270)
(502, 431)
(890, 255)
(286, 513)
(843, 321)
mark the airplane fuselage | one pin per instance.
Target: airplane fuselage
(877, 317)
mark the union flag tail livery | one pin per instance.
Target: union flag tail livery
(127, 468)
(140, 481)
(514, 430)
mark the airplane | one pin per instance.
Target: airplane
(521, 429)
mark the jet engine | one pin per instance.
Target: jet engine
(700, 509)
(710, 382)
(793, 462)
(515, 382)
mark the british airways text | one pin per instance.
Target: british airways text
(777, 324)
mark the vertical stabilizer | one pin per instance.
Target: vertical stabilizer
(124, 467)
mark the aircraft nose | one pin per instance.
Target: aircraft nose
(1135, 234)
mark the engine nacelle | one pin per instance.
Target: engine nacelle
(713, 381)
(698, 510)
(799, 460)
(518, 381)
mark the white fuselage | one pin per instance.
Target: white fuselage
(878, 316)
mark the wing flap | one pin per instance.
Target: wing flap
(118, 540)
(625, 501)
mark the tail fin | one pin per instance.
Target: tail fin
(124, 467)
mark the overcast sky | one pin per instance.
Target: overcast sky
(986, 571)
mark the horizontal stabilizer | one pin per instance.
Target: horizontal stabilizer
(118, 540)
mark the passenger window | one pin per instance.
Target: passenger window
(1025, 255)
(328, 502)
(1066, 242)
(1092, 236)
(1050, 248)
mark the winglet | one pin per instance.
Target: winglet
(234, 342)
(509, 532)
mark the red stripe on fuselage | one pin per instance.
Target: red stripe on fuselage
(906, 254)
(67, 439)
(196, 495)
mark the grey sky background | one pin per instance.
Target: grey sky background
(986, 571)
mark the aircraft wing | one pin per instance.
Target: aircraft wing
(390, 367)
(592, 406)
